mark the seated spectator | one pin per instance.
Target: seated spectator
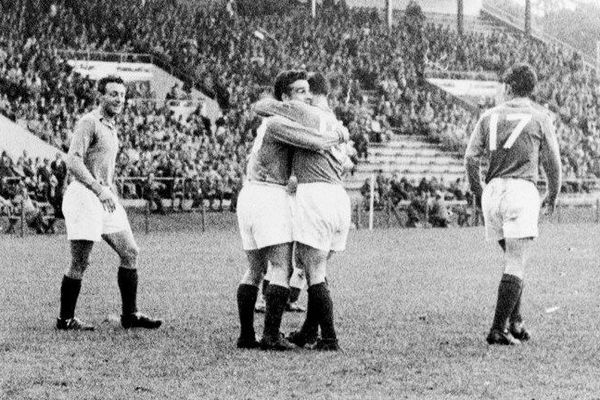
(33, 214)
(438, 211)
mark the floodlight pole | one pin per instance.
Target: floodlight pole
(528, 18)
(388, 13)
(313, 8)
(371, 202)
(460, 19)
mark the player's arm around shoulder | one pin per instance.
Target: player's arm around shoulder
(295, 134)
(295, 110)
(550, 158)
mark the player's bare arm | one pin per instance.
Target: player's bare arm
(474, 153)
(301, 113)
(289, 132)
(550, 158)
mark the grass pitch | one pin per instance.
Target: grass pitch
(412, 310)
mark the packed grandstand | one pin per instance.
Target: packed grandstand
(378, 77)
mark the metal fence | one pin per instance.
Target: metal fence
(183, 197)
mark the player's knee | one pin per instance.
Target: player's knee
(514, 268)
(77, 269)
(316, 274)
(252, 277)
(130, 256)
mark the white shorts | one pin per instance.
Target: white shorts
(264, 215)
(86, 218)
(321, 216)
(511, 209)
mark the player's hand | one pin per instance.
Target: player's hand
(343, 133)
(107, 199)
(549, 208)
(292, 185)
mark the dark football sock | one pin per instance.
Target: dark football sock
(509, 291)
(127, 279)
(69, 292)
(310, 327)
(246, 299)
(276, 299)
(265, 285)
(294, 294)
(516, 317)
(323, 305)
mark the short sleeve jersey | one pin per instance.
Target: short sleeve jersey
(323, 166)
(95, 141)
(269, 160)
(512, 134)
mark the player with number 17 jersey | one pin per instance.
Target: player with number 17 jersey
(513, 134)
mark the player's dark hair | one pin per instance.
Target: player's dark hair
(521, 78)
(284, 80)
(318, 84)
(106, 80)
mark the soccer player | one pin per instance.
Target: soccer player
(264, 212)
(515, 136)
(321, 219)
(93, 212)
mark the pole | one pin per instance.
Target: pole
(528, 18)
(460, 20)
(203, 217)
(147, 217)
(371, 202)
(22, 215)
(358, 215)
(597, 210)
(389, 13)
(313, 9)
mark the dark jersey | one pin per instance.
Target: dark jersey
(513, 134)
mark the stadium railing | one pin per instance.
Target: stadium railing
(177, 196)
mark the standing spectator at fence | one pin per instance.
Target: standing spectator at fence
(23, 203)
(438, 211)
(151, 191)
(59, 170)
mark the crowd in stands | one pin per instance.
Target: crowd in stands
(235, 57)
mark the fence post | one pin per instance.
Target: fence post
(203, 216)
(22, 216)
(185, 180)
(173, 197)
(371, 202)
(427, 198)
(147, 217)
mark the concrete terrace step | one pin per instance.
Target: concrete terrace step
(373, 167)
(410, 152)
(358, 180)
